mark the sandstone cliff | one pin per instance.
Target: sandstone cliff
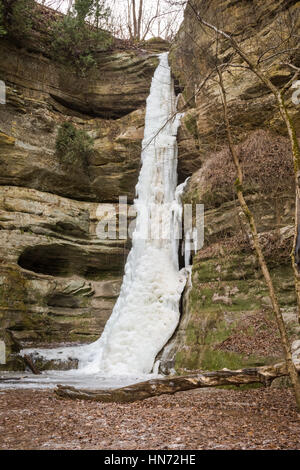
(58, 280)
(227, 320)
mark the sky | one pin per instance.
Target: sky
(165, 25)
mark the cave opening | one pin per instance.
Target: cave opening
(64, 260)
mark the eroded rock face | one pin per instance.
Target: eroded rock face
(117, 87)
(28, 157)
(256, 27)
(227, 315)
(58, 280)
(227, 320)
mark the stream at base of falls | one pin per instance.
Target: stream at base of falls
(146, 313)
(50, 379)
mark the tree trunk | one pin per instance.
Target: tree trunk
(255, 68)
(30, 364)
(134, 19)
(239, 189)
(296, 157)
(139, 23)
(296, 250)
(170, 385)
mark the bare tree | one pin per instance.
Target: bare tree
(279, 94)
(247, 62)
(135, 19)
(257, 246)
(141, 19)
(57, 4)
(135, 10)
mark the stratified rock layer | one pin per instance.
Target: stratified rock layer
(58, 280)
(227, 320)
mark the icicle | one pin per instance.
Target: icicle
(147, 310)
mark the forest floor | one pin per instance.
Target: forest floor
(201, 419)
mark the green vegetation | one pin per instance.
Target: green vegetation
(77, 36)
(73, 146)
(74, 38)
(16, 17)
(2, 28)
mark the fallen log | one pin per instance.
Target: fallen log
(173, 384)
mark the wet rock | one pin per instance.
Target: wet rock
(58, 281)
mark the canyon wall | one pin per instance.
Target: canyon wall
(58, 280)
(227, 319)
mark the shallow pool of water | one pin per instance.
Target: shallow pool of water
(50, 379)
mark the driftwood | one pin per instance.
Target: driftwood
(30, 364)
(173, 384)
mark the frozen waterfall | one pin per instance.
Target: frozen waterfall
(147, 310)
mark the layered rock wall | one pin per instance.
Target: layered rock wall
(58, 280)
(227, 320)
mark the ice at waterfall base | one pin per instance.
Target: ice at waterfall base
(147, 311)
